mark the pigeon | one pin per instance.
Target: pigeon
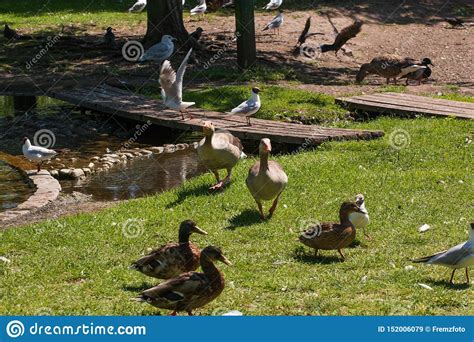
(160, 51)
(343, 37)
(172, 86)
(249, 107)
(199, 9)
(137, 6)
(36, 154)
(273, 4)
(197, 34)
(275, 23)
(459, 256)
(109, 38)
(454, 22)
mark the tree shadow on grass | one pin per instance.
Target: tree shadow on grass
(300, 256)
(246, 218)
(447, 285)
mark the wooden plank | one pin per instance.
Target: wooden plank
(433, 100)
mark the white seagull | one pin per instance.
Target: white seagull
(360, 220)
(275, 23)
(36, 154)
(199, 9)
(459, 256)
(172, 86)
(249, 107)
(137, 6)
(273, 4)
(160, 51)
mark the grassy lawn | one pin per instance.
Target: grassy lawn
(78, 265)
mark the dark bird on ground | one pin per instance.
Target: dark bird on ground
(305, 35)
(197, 33)
(9, 33)
(343, 37)
(109, 37)
(420, 74)
(454, 22)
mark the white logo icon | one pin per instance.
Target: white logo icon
(15, 329)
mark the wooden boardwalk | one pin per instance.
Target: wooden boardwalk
(125, 104)
(405, 104)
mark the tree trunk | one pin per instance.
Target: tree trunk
(165, 17)
(245, 28)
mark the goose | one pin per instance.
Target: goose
(459, 256)
(273, 4)
(199, 9)
(329, 235)
(36, 154)
(172, 86)
(219, 150)
(420, 74)
(172, 259)
(190, 290)
(160, 51)
(266, 179)
(137, 6)
(360, 219)
(390, 67)
(343, 37)
(250, 107)
(276, 23)
(109, 38)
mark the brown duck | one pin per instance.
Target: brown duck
(330, 236)
(190, 290)
(172, 259)
(343, 37)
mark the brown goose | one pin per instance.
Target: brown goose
(172, 259)
(266, 179)
(390, 67)
(190, 290)
(219, 150)
(343, 37)
(329, 236)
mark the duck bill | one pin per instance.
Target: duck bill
(199, 230)
(226, 261)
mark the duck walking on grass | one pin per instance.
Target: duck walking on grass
(266, 179)
(191, 290)
(219, 150)
(459, 256)
(171, 260)
(36, 154)
(330, 236)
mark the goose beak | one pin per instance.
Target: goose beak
(225, 261)
(199, 230)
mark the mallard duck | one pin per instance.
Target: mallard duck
(459, 256)
(266, 179)
(171, 260)
(329, 236)
(219, 150)
(390, 67)
(343, 37)
(360, 220)
(420, 74)
(190, 290)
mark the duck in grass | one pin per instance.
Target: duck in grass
(219, 150)
(171, 260)
(333, 236)
(191, 290)
(266, 179)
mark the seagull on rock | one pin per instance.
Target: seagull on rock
(137, 6)
(172, 86)
(36, 154)
(249, 107)
(160, 51)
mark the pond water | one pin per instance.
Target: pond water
(14, 187)
(78, 138)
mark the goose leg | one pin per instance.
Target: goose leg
(260, 210)
(452, 276)
(341, 254)
(467, 276)
(274, 205)
(218, 184)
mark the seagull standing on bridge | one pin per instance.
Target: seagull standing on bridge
(138, 6)
(36, 154)
(249, 107)
(275, 23)
(160, 51)
(199, 9)
(273, 4)
(172, 86)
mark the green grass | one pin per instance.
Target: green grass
(454, 96)
(78, 265)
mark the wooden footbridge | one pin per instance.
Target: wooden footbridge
(126, 104)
